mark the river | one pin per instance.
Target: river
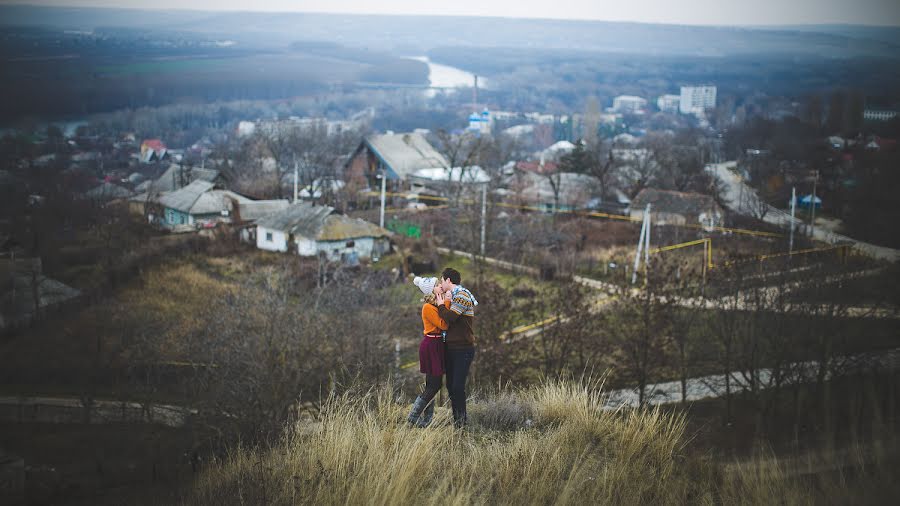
(445, 76)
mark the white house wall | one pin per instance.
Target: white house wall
(305, 247)
(363, 246)
(278, 242)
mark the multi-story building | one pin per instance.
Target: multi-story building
(879, 114)
(696, 99)
(668, 103)
(628, 103)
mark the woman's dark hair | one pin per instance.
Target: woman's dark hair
(451, 274)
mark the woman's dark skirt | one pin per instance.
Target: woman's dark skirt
(431, 356)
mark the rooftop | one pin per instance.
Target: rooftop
(405, 153)
(673, 201)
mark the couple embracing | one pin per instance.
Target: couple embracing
(448, 344)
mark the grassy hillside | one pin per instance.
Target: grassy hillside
(548, 444)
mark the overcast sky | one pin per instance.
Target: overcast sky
(694, 12)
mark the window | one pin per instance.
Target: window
(350, 244)
(268, 236)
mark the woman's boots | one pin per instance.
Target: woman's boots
(422, 412)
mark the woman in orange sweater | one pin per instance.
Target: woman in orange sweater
(431, 354)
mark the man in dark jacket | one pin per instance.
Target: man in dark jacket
(460, 352)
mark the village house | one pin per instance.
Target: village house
(152, 150)
(174, 178)
(198, 205)
(396, 155)
(27, 292)
(441, 180)
(312, 230)
(251, 212)
(532, 185)
(107, 192)
(178, 176)
(677, 208)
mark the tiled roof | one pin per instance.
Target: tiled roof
(154, 144)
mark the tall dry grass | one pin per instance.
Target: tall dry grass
(547, 444)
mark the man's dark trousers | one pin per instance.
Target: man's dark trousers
(458, 363)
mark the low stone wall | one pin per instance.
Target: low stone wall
(72, 410)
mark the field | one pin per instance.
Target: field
(161, 66)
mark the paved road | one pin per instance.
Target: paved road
(712, 386)
(742, 199)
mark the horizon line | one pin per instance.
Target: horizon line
(475, 16)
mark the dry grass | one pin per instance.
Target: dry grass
(547, 444)
(551, 444)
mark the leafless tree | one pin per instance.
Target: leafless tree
(639, 326)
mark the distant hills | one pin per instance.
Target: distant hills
(405, 35)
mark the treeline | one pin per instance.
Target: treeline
(48, 74)
(571, 76)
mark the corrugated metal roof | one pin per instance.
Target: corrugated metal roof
(216, 201)
(257, 209)
(406, 153)
(173, 176)
(185, 198)
(300, 219)
(339, 227)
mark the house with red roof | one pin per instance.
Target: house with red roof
(152, 150)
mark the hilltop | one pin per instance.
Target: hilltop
(548, 444)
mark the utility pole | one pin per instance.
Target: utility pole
(812, 203)
(296, 179)
(793, 210)
(383, 183)
(647, 248)
(483, 214)
(645, 238)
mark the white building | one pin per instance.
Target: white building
(668, 103)
(246, 128)
(879, 114)
(629, 103)
(696, 99)
(309, 230)
(480, 123)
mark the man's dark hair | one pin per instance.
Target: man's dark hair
(451, 274)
